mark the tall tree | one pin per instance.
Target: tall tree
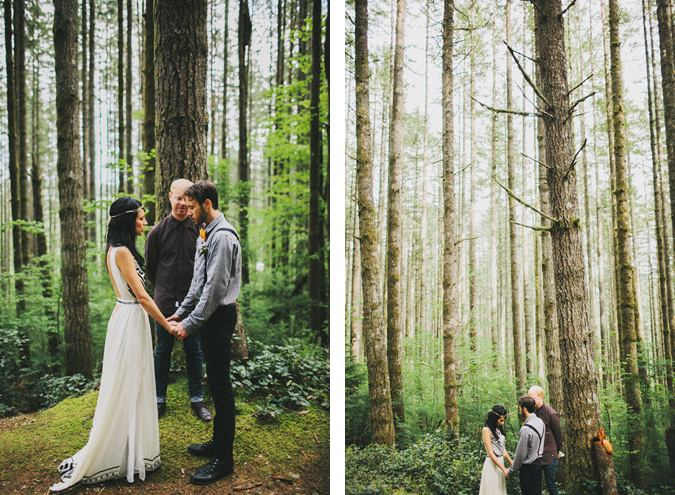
(582, 407)
(473, 263)
(494, 279)
(451, 324)
(85, 102)
(13, 161)
(77, 329)
(374, 329)
(628, 302)
(394, 226)
(149, 110)
(128, 87)
(120, 92)
(90, 120)
(316, 277)
(513, 238)
(180, 92)
(226, 55)
(244, 38)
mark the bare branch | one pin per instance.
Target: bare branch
(574, 160)
(525, 56)
(533, 227)
(536, 161)
(571, 110)
(510, 193)
(537, 7)
(512, 112)
(578, 85)
(568, 7)
(527, 78)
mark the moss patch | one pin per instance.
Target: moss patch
(32, 446)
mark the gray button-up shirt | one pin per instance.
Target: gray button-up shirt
(220, 254)
(530, 444)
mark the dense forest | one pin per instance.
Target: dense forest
(108, 98)
(510, 174)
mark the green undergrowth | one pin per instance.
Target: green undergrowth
(281, 445)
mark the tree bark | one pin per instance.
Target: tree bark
(381, 414)
(180, 96)
(513, 238)
(120, 92)
(356, 325)
(494, 279)
(244, 37)
(582, 407)
(473, 263)
(90, 120)
(129, 124)
(394, 227)
(77, 330)
(149, 111)
(627, 329)
(316, 283)
(226, 54)
(450, 307)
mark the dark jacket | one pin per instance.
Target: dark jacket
(553, 439)
(169, 260)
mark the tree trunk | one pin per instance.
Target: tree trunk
(381, 414)
(356, 324)
(582, 407)
(627, 329)
(244, 37)
(92, 124)
(513, 238)
(77, 330)
(318, 303)
(180, 95)
(450, 307)
(129, 124)
(394, 227)
(473, 263)
(120, 92)
(85, 103)
(149, 111)
(551, 331)
(226, 67)
(494, 300)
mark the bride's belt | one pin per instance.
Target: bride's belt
(121, 301)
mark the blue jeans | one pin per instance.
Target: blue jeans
(549, 475)
(193, 359)
(217, 334)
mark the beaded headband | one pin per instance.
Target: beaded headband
(125, 212)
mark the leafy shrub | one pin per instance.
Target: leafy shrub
(433, 464)
(287, 377)
(50, 390)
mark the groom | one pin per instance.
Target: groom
(529, 450)
(210, 307)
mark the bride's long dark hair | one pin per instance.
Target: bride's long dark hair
(493, 416)
(122, 226)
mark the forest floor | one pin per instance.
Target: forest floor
(289, 454)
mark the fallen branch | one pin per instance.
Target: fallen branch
(510, 193)
(246, 487)
(315, 437)
(277, 477)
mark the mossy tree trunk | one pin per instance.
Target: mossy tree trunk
(451, 324)
(579, 380)
(316, 276)
(91, 134)
(180, 96)
(374, 329)
(77, 329)
(149, 110)
(394, 226)
(244, 38)
(628, 302)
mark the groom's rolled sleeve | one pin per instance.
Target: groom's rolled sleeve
(218, 269)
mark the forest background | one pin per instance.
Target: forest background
(453, 299)
(238, 107)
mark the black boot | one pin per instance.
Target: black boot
(207, 449)
(213, 471)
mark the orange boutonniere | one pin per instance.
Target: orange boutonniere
(202, 234)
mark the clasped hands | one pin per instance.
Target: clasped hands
(177, 327)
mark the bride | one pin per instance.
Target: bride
(124, 437)
(493, 479)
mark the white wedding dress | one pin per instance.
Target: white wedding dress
(124, 437)
(493, 480)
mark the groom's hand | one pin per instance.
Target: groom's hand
(173, 317)
(180, 332)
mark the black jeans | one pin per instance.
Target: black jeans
(217, 339)
(530, 478)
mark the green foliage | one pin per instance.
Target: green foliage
(435, 463)
(286, 377)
